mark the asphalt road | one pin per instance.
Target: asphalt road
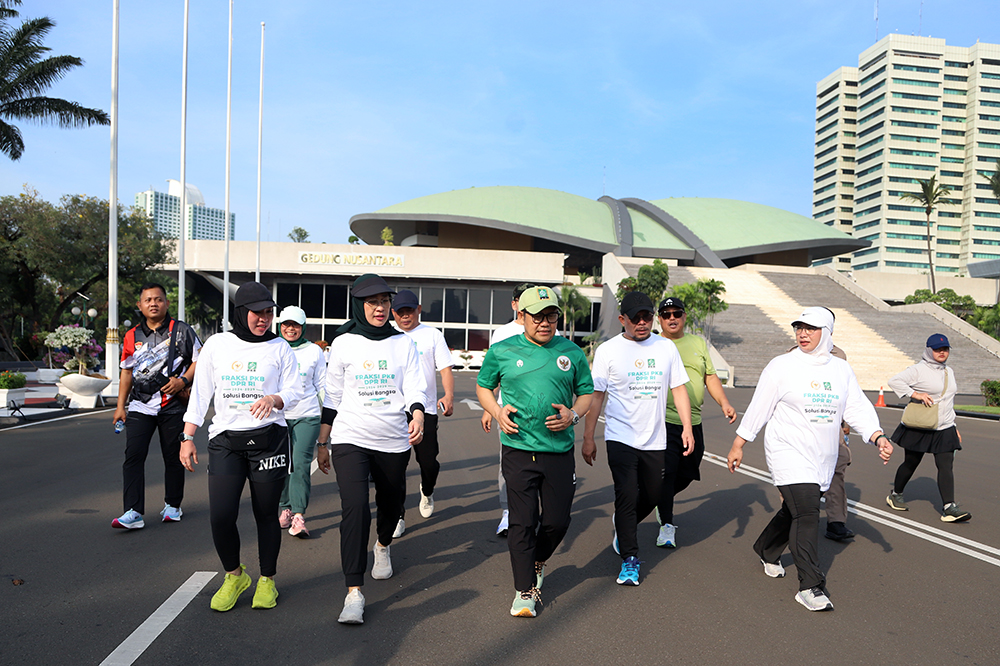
(905, 592)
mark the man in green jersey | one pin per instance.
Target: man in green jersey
(547, 388)
(681, 469)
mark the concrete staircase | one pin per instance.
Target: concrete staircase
(762, 305)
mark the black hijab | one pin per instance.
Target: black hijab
(364, 287)
(251, 297)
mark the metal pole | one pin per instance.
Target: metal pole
(260, 137)
(229, 137)
(111, 341)
(180, 242)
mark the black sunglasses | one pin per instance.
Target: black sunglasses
(671, 314)
(644, 315)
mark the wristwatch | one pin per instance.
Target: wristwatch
(186, 437)
(576, 417)
(187, 382)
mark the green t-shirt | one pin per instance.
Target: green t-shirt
(531, 378)
(698, 363)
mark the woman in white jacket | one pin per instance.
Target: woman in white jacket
(373, 414)
(251, 375)
(803, 396)
(929, 382)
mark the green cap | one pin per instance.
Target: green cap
(536, 299)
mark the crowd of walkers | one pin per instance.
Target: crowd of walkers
(360, 405)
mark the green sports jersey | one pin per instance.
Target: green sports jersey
(698, 363)
(532, 377)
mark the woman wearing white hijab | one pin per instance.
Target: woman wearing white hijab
(803, 396)
(930, 382)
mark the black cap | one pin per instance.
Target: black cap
(672, 302)
(405, 299)
(254, 296)
(370, 284)
(520, 289)
(634, 303)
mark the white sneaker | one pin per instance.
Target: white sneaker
(665, 539)
(171, 514)
(774, 570)
(382, 568)
(502, 527)
(354, 608)
(814, 599)
(400, 528)
(426, 503)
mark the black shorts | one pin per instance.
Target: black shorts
(688, 466)
(260, 454)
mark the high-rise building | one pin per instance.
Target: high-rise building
(913, 108)
(203, 223)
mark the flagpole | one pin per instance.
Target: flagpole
(229, 138)
(180, 243)
(111, 341)
(260, 137)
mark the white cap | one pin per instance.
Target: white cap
(293, 313)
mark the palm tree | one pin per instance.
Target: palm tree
(930, 196)
(994, 179)
(26, 72)
(575, 306)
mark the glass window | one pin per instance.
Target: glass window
(336, 301)
(502, 312)
(479, 306)
(455, 338)
(312, 300)
(432, 304)
(456, 303)
(288, 294)
(479, 339)
(313, 331)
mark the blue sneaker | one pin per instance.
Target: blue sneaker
(630, 572)
(171, 514)
(130, 520)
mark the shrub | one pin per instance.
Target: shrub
(12, 380)
(991, 391)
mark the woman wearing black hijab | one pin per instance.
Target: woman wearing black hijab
(374, 389)
(252, 375)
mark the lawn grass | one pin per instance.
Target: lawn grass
(978, 408)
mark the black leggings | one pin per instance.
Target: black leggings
(945, 479)
(224, 494)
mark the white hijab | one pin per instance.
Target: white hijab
(823, 319)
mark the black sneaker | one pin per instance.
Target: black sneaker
(838, 531)
(953, 514)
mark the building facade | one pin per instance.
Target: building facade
(203, 223)
(913, 108)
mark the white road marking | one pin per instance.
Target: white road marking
(473, 404)
(147, 632)
(61, 418)
(891, 519)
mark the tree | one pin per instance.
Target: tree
(387, 237)
(50, 255)
(299, 235)
(960, 306)
(353, 240)
(575, 306)
(651, 280)
(702, 301)
(930, 196)
(26, 72)
(994, 179)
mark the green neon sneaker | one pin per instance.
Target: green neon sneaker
(232, 588)
(266, 595)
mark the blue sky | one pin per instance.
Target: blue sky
(371, 104)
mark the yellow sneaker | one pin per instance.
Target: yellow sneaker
(232, 588)
(266, 595)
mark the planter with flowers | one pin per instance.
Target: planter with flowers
(75, 348)
(12, 389)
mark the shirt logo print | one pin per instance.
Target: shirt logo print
(383, 365)
(639, 363)
(368, 365)
(564, 363)
(237, 365)
(252, 366)
(827, 387)
(651, 363)
(520, 363)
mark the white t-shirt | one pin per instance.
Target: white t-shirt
(803, 404)
(508, 330)
(636, 378)
(434, 356)
(312, 376)
(371, 384)
(236, 374)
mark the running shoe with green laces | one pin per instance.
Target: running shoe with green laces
(953, 514)
(266, 595)
(525, 603)
(629, 574)
(232, 588)
(539, 574)
(895, 501)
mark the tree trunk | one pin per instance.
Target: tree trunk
(930, 255)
